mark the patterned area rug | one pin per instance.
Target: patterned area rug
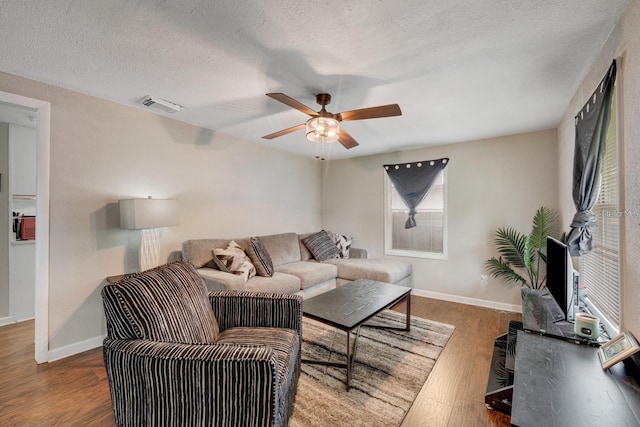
(391, 367)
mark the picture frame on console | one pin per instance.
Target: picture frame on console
(619, 348)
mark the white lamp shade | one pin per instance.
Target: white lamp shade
(136, 214)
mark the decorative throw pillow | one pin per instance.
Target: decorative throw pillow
(168, 303)
(260, 258)
(215, 263)
(235, 260)
(321, 246)
(343, 243)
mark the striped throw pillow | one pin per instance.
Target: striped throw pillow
(168, 303)
(260, 258)
(321, 246)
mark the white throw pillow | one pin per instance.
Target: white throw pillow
(235, 260)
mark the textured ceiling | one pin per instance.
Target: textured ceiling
(460, 70)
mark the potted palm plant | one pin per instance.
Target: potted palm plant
(522, 258)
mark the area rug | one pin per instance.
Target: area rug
(391, 367)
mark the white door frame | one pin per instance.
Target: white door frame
(42, 219)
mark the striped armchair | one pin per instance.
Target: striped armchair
(176, 356)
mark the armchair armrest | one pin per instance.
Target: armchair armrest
(153, 383)
(257, 309)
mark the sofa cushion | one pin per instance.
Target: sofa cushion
(260, 258)
(310, 273)
(283, 248)
(198, 251)
(305, 255)
(381, 270)
(280, 283)
(321, 246)
(235, 260)
(218, 280)
(167, 303)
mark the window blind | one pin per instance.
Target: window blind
(601, 268)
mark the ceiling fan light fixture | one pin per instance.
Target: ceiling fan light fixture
(322, 129)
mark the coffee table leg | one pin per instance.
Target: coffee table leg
(348, 360)
(351, 356)
(408, 328)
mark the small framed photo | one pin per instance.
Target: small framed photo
(619, 348)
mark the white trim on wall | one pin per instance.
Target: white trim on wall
(42, 219)
(468, 300)
(7, 320)
(76, 348)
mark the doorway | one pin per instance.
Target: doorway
(42, 111)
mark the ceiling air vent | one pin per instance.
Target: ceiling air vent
(160, 105)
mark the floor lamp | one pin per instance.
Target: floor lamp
(148, 215)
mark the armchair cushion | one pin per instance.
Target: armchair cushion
(257, 309)
(168, 303)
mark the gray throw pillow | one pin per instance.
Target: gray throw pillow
(321, 246)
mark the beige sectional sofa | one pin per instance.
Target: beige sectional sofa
(296, 272)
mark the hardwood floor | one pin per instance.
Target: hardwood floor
(454, 392)
(74, 391)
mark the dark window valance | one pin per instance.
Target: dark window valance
(413, 181)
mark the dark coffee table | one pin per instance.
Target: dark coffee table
(349, 307)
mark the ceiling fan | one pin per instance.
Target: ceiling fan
(324, 126)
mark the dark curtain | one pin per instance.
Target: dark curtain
(413, 182)
(591, 134)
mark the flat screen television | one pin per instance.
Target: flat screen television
(560, 276)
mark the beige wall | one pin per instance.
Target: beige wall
(490, 183)
(624, 41)
(5, 294)
(102, 152)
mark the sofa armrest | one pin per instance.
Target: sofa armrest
(358, 253)
(257, 309)
(139, 370)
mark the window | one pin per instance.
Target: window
(600, 269)
(428, 238)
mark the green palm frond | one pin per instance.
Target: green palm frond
(512, 245)
(523, 256)
(498, 268)
(545, 223)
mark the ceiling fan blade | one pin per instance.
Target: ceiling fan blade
(287, 100)
(347, 140)
(284, 131)
(372, 112)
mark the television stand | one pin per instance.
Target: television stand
(558, 382)
(541, 314)
(500, 382)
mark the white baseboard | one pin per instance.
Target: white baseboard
(467, 300)
(7, 321)
(79, 347)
